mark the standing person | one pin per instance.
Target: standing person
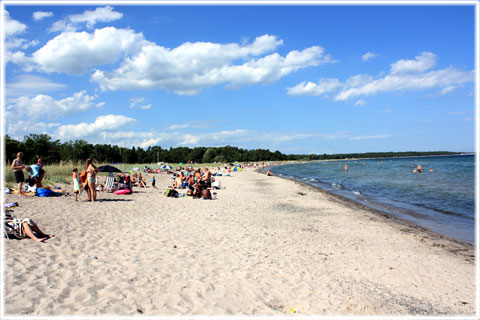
(91, 175)
(41, 173)
(153, 183)
(17, 166)
(76, 184)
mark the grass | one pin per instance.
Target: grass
(62, 173)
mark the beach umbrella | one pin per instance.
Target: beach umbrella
(108, 168)
(166, 166)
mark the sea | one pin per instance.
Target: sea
(441, 199)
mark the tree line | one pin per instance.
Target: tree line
(53, 151)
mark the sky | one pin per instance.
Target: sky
(299, 79)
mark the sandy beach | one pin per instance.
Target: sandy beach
(265, 246)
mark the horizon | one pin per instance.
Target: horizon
(309, 79)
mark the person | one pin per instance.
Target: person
(91, 177)
(76, 184)
(41, 173)
(34, 171)
(207, 177)
(178, 183)
(141, 183)
(18, 166)
(419, 168)
(22, 228)
(153, 183)
(84, 183)
(269, 173)
(346, 167)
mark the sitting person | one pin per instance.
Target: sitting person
(23, 228)
(207, 177)
(178, 183)
(141, 183)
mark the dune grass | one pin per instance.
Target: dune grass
(62, 173)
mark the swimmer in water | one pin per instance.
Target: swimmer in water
(346, 167)
(419, 168)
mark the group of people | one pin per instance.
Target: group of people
(86, 180)
(197, 182)
(36, 173)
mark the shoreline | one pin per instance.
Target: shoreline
(379, 211)
(264, 246)
(385, 216)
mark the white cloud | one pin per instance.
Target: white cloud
(404, 75)
(28, 85)
(14, 43)
(40, 15)
(76, 52)
(393, 82)
(385, 111)
(102, 125)
(360, 103)
(190, 67)
(12, 27)
(145, 107)
(135, 101)
(369, 55)
(423, 62)
(382, 136)
(314, 89)
(46, 106)
(90, 18)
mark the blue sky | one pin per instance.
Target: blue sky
(298, 79)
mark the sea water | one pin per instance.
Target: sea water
(442, 201)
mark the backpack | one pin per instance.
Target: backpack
(171, 193)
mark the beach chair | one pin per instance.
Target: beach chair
(111, 185)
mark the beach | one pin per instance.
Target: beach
(264, 246)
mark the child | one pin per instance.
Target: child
(153, 183)
(76, 184)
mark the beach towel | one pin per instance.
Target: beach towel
(44, 192)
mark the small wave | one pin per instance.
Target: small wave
(357, 193)
(338, 186)
(313, 180)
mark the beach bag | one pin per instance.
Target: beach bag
(171, 193)
(43, 192)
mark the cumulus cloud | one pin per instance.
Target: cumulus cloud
(46, 106)
(369, 55)
(28, 85)
(425, 61)
(404, 75)
(12, 27)
(190, 67)
(90, 18)
(76, 52)
(40, 15)
(314, 89)
(101, 125)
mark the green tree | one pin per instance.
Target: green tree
(209, 155)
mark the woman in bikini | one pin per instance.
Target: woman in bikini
(91, 175)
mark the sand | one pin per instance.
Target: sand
(265, 246)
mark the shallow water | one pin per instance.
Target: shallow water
(442, 200)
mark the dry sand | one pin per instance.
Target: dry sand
(264, 246)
